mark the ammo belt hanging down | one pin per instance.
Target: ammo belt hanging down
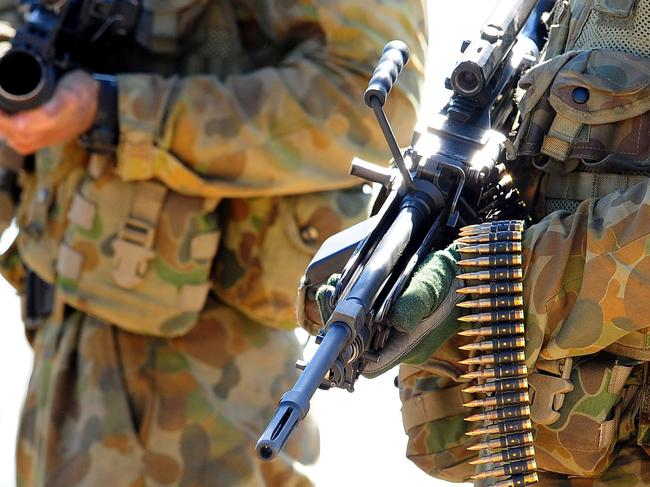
(492, 256)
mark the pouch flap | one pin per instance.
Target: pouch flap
(601, 86)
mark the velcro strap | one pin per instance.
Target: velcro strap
(69, 263)
(582, 185)
(620, 373)
(608, 433)
(140, 130)
(147, 201)
(82, 212)
(430, 406)
(563, 132)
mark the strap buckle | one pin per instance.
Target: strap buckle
(133, 251)
(547, 392)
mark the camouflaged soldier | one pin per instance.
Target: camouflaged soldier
(584, 144)
(175, 264)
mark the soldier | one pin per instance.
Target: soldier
(585, 142)
(174, 260)
(584, 149)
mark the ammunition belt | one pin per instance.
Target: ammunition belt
(492, 258)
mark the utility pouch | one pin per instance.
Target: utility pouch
(268, 243)
(585, 427)
(590, 107)
(434, 420)
(138, 255)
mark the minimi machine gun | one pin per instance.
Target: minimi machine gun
(452, 175)
(57, 36)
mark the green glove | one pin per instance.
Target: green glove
(423, 317)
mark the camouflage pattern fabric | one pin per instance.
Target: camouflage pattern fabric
(586, 273)
(631, 469)
(109, 407)
(232, 114)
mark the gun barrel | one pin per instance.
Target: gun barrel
(294, 405)
(25, 80)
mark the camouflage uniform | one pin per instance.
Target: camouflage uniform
(587, 271)
(176, 264)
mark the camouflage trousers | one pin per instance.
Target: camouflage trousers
(108, 407)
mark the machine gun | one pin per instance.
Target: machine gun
(451, 176)
(57, 36)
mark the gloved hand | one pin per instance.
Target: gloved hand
(423, 317)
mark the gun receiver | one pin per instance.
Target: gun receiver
(56, 37)
(450, 176)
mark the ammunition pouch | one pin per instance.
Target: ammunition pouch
(580, 410)
(584, 116)
(590, 107)
(137, 255)
(268, 243)
(434, 420)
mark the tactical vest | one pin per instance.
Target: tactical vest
(586, 110)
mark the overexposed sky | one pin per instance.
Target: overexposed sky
(362, 439)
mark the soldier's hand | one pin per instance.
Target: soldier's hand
(423, 317)
(69, 113)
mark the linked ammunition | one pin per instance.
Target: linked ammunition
(492, 227)
(494, 316)
(518, 480)
(489, 237)
(497, 344)
(495, 250)
(500, 358)
(514, 468)
(513, 454)
(493, 288)
(507, 385)
(505, 399)
(494, 302)
(510, 412)
(497, 330)
(507, 441)
(491, 248)
(497, 274)
(503, 428)
(498, 372)
(492, 261)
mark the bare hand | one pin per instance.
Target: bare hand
(68, 114)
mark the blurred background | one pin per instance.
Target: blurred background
(362, 440)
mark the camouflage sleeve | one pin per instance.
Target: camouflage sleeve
(289, 128)
(587, 275)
